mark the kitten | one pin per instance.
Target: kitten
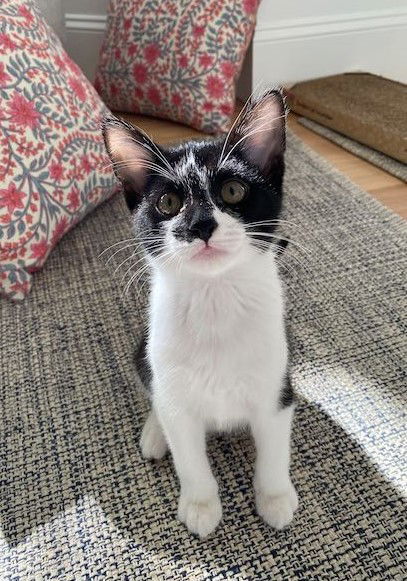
(206, 213)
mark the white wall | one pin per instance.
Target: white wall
(85, 22)
(294, 40)
(297, 40)
(54, 14)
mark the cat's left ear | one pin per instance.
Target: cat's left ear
(259, 133)
(132, 154)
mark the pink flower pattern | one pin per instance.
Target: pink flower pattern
(182, 53)
(23, 112)
(11, 198)
(53, 165)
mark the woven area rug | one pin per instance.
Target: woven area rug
(77, 500)
(396, 168)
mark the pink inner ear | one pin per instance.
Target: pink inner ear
(264, 131)
(129, 157)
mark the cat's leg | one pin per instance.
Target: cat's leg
(199, 506)
(276, 498)
(152, 442)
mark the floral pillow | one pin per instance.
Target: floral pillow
(53, 164)
(177, 59)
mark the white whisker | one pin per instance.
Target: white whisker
(242, 112)
(144, 164)
(125, 260)
(278, 237)
(156, 152)
(157, 149)
(120, 250)
(115, 244)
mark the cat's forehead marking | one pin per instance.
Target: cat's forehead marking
(239, 168)
(234, 165)
(189, 170)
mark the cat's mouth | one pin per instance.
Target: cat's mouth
(208, 252)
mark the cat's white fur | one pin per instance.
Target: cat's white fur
(218, 353)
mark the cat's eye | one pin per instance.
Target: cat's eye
(169, 204)
(233, 192)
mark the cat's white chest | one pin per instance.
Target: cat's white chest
(216, 346)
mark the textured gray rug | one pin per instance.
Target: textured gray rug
(396, 168)
(78, 501)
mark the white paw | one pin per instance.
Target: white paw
(152, 442)
(200, 518)
(277, 510)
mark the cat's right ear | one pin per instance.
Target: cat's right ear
(132, 154)
(259, 131)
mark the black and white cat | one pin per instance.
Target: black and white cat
(205, 213)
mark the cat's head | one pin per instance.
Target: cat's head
(205, 206)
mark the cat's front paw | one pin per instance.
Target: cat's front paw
(277, 509)
(200, 518)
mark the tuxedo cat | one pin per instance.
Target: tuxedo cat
(205, 214)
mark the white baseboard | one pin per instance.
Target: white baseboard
(95, 22)
(83, 38)
(287, 51)
(296, 28)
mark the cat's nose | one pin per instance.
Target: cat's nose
(203, 228)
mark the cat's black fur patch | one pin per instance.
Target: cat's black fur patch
(287, 396)
(282, 245)
(143, 366)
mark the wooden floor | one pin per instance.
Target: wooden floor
(389, 190)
